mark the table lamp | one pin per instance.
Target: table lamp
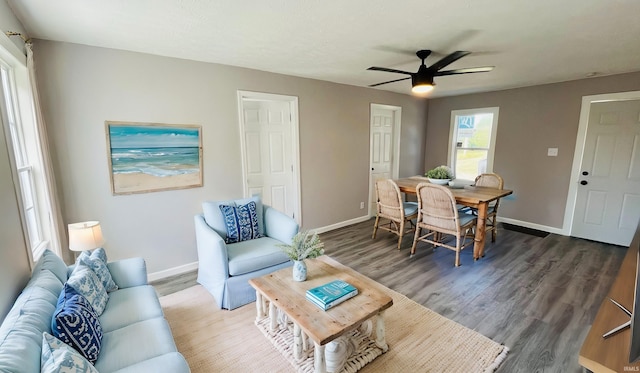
(85, 236)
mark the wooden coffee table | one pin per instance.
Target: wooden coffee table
(339, 334)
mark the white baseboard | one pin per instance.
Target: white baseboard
(539, 227)
(155, 276)
(521, 223)
(342, 224)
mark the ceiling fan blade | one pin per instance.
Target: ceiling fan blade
(390, 81)
(468, 70)
(451, 58)
(389, 70)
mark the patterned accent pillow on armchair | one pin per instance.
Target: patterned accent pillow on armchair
(241, 222)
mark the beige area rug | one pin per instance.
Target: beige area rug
(420, 340)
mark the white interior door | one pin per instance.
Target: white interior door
(608, 197)
(382, 148)
(268, 153)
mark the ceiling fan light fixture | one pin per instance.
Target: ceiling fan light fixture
(422, 88)
(422, 83)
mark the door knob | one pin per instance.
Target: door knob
(584, 182)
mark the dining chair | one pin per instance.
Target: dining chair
(391, 207)
(438, 214)
(490, 181)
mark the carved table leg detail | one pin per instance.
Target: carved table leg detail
(337, 352)
(305, 342)
(297, 342)
(318, 359)
(380, 333)
(273, 317)
(259, 304)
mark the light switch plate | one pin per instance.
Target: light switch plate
(552, 152)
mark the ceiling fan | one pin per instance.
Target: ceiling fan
(422, 80)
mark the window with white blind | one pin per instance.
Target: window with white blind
(472, 141)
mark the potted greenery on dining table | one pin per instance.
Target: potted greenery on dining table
(440, 175)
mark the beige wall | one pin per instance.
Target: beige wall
(531, 120)
(82, 86)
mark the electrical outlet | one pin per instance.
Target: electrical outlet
(361, 205)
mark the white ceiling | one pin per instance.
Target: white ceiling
(528, 41)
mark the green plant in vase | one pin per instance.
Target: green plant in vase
(304, 245)
(440, 175)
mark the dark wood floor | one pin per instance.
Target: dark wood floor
(536, 295)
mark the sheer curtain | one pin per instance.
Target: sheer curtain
(57, 227)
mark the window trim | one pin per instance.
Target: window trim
(453, 131)
(29, 160)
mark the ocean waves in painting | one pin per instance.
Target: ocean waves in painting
(160, 161)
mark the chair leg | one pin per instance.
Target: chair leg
(415, 241)
(375, 227)
(400, 234)
(439, 237)
(458, 245)
(494, 230)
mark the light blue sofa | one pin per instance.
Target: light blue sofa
(225, 269)
(136, 337)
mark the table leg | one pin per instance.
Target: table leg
(273, 317)
(305, 342)
(478, 245)
(337, 352)
(319, 363)
(260, 311)
(380, 333)
(297, 342)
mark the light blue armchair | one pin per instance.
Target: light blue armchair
(224, 269)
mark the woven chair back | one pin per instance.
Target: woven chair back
(389, 199)
(490, 180)
(438, 207)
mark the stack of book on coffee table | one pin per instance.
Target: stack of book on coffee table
(331, 294)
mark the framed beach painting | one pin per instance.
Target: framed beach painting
(150, 157)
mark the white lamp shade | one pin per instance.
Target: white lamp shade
(85, 236)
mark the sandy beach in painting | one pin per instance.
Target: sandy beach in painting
(140, 182)
(147, 158)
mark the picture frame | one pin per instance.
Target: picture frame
(152, 157)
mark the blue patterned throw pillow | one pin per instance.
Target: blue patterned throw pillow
(99, 253)
(241, 222)
(75, 323)
(87, 284)
(58, 357)
(98, 265)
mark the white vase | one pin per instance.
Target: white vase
(439, 181)
(299, 270)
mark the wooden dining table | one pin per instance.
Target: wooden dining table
(477, 197)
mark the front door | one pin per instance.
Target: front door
(268, 153)
(608, 198)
